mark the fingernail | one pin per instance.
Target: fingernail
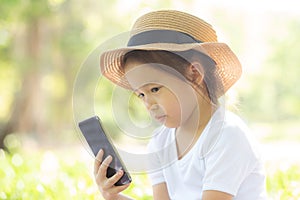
(120, 172)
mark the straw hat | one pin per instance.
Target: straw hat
(174, 31)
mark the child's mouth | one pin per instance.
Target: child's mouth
(160, 118)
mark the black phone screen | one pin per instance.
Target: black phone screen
(97, 139)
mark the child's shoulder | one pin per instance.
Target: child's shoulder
(235, 133)
(232, 119)
(225, 129)
(224, 120)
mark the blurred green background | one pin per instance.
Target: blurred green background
(43, 44)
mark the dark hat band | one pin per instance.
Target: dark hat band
(161, 36)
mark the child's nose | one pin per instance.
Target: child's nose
(150, 103)
(153, 107)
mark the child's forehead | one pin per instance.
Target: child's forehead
(147, 74)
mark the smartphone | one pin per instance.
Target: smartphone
(97, 139)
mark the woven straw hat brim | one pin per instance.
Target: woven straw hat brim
(228, 66)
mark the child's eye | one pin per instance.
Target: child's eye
(155, 89)
(140, 95)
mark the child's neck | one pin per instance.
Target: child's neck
(191, 130)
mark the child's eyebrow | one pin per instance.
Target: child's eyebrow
(145, 85)
(135, 90)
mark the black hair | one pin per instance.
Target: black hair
(180, 61)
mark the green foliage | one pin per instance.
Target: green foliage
(27, 174)
(274, 91)
(8, 85)
(284, 183)
(68, 30)
(57, 174)
(34, 9)
(7, 8)
(48, 175)
(45, 175)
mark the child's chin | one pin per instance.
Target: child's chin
(170, 125)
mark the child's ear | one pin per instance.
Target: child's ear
(195, 73)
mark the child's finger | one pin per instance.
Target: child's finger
(103, 167)
(112, 180)
(98, 161)
(118, 189)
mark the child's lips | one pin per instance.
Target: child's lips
(160, 118)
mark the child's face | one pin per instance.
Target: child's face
(169, 99)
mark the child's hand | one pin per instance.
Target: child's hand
(106, 185)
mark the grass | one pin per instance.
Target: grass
(284, 183)
(64, 174)
(47, 176)
(43, 176)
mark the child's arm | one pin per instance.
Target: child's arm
(215, 195)
(106, 185)
(160, 192)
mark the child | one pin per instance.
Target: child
(176, 66)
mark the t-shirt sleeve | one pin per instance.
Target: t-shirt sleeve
(155, 171)
(230, 162)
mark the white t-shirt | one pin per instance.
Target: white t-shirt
(223, 159)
